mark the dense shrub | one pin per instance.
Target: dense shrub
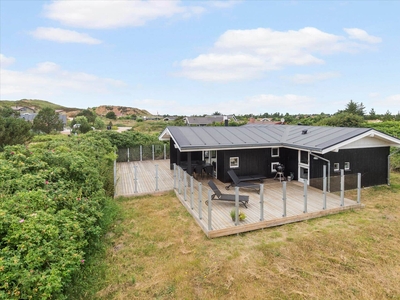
(389, 127)
(52, 197)
(392, 128)
(127, 138)
(14, 131)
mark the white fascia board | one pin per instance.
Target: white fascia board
(165, 135)
(389, 141)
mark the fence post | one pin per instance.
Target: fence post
(179, 180)
(284, 198)
(141, 152)
(174, 176)
(341, 187)
(305, 196)
(152, 151)
(358, 187)
(127, 151)
(236, 206)
(200, 206)
(156, 177)
(135, 179)
(262, 202)
(324, 188)
(209, 210)
(184, 185)
(191, 192)
(165, 151)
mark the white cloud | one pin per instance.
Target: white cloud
(272, 103)
(63, 36)
(223, 4)
(311, 78)
(6, 61)
(48, 80)
(395, 99)
(116, 14)
(391, 103)
(373, 95)
(161, 106)
(382, 104)
(263, 49)
(362, 35)
(247, 105)
(216, 67)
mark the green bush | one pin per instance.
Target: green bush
(127, 139)
(52, 199)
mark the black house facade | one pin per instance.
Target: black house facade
(301, 150)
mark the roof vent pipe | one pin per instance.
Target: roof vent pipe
(304, 131)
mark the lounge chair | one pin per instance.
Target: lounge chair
(239, 183)
(226, 197)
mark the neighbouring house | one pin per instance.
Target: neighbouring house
(169, 119)
(302, 150)
(30, 116)
(208, 120)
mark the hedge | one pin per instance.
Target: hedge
(52, 196)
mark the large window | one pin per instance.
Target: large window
(234, 162)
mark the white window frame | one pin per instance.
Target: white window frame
(273, 164)
(347, 166)
(234, 162)
(336, 167)
(272, 152)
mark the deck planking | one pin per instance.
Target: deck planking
(221, 222)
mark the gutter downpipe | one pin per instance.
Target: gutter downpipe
(329, 169)
(388, 177)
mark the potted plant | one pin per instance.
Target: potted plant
(242, 215)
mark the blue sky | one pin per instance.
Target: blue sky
(198, 57)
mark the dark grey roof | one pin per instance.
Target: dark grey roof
(313, 138)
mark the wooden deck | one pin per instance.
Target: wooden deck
(215, 220)
(146, 177)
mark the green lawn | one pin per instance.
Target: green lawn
(155, 250)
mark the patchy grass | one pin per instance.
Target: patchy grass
(158, 252)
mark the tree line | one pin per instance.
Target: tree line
(14, 130)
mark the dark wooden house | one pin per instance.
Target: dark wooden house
(302, 150)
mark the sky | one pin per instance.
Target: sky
(202, 57)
